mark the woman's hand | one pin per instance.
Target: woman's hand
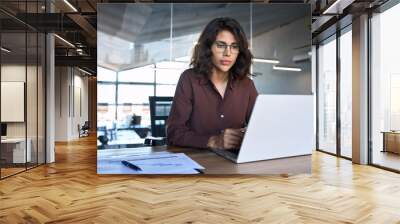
(228, 139)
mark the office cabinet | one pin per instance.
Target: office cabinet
(391, 142)
(13, 150)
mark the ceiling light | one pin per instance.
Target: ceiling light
(86, 72)
(331, 7)
(70, 5)
(270, 61)
(5, 49)
(338, 6)
(64, 40)
(285, 68)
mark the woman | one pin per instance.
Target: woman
(214, 99)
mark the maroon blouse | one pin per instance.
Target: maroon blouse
(199, 112)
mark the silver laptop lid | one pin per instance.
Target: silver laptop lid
(280, 126)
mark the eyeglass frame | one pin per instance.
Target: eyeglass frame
(226, 47)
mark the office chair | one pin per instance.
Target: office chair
(84, 129)
(160, 107)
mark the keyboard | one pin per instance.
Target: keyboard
(229, 154)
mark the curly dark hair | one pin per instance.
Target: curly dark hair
(201, 58)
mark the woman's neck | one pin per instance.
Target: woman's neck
(219, 76)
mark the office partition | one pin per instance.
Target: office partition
(22, 78)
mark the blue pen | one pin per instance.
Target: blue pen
(130, 165)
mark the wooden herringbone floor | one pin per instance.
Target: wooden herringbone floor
(70, 191)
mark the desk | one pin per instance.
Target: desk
(391, 141)
(15, 148)
(109, 160)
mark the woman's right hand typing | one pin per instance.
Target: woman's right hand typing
(229, 139)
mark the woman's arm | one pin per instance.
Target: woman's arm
(178, 130)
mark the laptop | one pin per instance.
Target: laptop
(280, 126)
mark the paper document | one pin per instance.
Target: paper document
(177, 163)
(135, 154)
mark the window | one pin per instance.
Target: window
(394, 101)
(105, 114)
(106, 74)
(106, 93)
(327, 96)
(346, 93)
(136, 94)
(143, 74)
(165, 90)
(385, 88)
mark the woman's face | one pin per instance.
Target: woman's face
(225, 51)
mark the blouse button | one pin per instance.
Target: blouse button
(222, 116)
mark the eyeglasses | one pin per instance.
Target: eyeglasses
(222, 47)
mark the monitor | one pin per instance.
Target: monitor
(3, 129)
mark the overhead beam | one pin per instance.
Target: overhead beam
(337, 7)
(86, 26)
(85, 61)
(49, 22)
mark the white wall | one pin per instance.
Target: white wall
(81, 103)
(71, 96)
(33, 127)
(14, 73)
(62, 81)
(17, 73)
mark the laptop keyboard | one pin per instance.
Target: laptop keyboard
(230, 154)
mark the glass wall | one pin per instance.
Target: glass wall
(333, 137)
(346, 92)
(22, 91)
(385, 87)
(282, 47)
(327, 95)
(13, 84)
